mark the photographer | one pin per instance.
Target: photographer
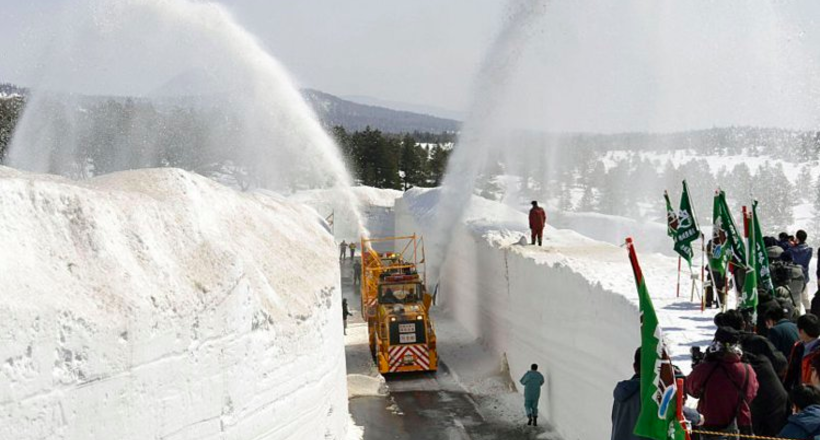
(769, 407)
(725, 386)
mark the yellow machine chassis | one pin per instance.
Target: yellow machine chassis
(411, 256)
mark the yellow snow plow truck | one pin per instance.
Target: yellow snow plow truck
(396, 306)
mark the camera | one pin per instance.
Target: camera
(697, 356)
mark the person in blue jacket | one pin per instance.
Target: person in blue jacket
(627, 405)
(532, 381)
(805, 422)
(801, 255)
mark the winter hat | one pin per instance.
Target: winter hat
(727, 336)
(534, 203)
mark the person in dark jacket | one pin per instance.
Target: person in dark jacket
(782, 332)
(752, 343)
(769, 407)
(807, 348)
(345, 313)
(805, 422)
(783, 241)
(343, 250)
(801, 253)
(815, 304)
(532, 381)
(538, 219)
(357, 272)
(725, 385)
(626, 406)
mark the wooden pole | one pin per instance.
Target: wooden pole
(679, 408)
(678, 289)
(702, 272)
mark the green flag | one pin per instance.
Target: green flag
(657, 419)
(672, 224)
(758, 276)
(671, 218)
(681, 225)
(726, 241)
(688, 230)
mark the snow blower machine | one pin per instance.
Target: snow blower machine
(396, 306)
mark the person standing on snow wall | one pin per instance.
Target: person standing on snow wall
(342, 250)
(532, 381)
(352, 250)
(538, 219)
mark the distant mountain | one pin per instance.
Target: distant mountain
(407, 107)
(333, 110)
(187, 90)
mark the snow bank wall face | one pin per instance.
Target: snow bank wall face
(158, 304)
(581, 335)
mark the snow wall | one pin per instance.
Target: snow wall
(537, 308)
(159, 304)
(376, 209)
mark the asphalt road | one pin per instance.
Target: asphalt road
(424, 406)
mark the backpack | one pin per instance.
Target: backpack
(781, 273)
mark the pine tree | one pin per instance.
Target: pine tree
(565, 198)
(438, 164)
(588, 202)
(411, 163)
(10, 111)
(805, 184)
(775, 194)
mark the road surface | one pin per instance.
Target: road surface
(422, 405)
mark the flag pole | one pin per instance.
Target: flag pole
(702, 271)
(679, 409)
(678, 289)
(697, 226)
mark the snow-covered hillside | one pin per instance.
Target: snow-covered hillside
(570, 306)
(159, 304)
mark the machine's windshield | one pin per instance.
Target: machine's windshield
(399, 293)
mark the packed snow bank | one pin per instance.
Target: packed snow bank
(376, 207)
(570, 306)
(159, 304)
(613, 229)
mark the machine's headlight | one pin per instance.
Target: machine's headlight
(392, 318)
(419, 317)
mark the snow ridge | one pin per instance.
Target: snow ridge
(159, 304)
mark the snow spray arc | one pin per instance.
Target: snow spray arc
(184, 86)
(475, 143)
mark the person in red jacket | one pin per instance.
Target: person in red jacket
(538, 219)
(725, 386)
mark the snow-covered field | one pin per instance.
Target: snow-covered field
(570, 306)
(159, 304)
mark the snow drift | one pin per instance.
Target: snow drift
(570, 307)
(159, 304)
